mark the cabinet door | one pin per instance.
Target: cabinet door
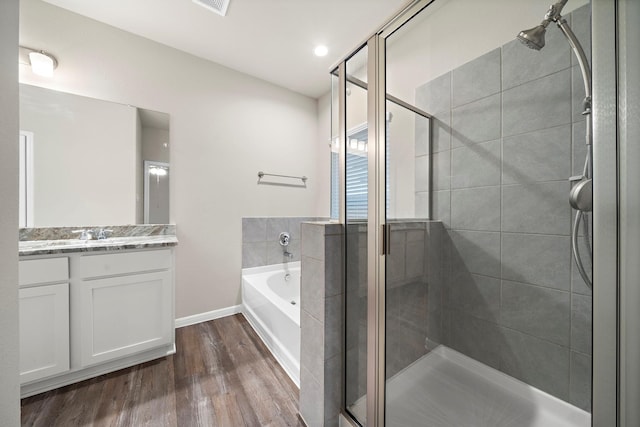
(120, 316)
(44, 331)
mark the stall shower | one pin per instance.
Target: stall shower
(482, 287)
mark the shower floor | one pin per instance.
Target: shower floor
(444, 388)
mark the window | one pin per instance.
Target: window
(357, 175)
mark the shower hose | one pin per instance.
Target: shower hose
(583, 217)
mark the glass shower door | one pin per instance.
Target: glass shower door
(413, 282)
(487, 320)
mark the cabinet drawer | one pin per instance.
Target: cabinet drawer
(93, 266)
(49, 270)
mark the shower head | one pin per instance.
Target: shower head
(533, 38)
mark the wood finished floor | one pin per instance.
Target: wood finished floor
(221, 375)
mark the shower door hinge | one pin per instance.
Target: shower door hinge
(386, 239)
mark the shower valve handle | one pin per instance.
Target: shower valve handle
(284, 238)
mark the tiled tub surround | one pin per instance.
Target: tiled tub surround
(59, 240)
(321, 323)
(414, 278)
(260, 245)
(508, 134)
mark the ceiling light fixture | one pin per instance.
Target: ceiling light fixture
(321, 50)
(41, 62)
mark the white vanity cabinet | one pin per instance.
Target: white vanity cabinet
(44, 318)
(93, 312)
(124, 304)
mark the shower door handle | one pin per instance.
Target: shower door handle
(386, 239)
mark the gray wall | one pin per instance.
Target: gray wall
(153, 140)
(9, 387)
(356, 312)
(507, 136)
(260, 240)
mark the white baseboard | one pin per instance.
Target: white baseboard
(209, 315)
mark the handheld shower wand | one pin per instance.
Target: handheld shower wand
(581, 194)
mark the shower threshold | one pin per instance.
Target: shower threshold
(445, 388)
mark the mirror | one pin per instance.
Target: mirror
(83, 161)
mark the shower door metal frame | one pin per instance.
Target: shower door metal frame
(378, 230)
(376, 233)
(605, 364)
(628, 15)
(616, 344)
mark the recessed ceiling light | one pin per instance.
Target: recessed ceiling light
(321, 50)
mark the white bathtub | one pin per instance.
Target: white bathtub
(271, 304)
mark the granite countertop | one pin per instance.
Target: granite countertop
(57, 240)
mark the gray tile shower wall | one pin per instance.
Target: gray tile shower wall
(321, 324)
(507, 135)
(414, 290)
(260, 244)
(356, 311)
(407, 294)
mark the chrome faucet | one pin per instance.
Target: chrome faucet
(283, 239)
(103, 233)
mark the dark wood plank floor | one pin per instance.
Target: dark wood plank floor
(221, 375)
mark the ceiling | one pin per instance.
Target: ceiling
(272, 40)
